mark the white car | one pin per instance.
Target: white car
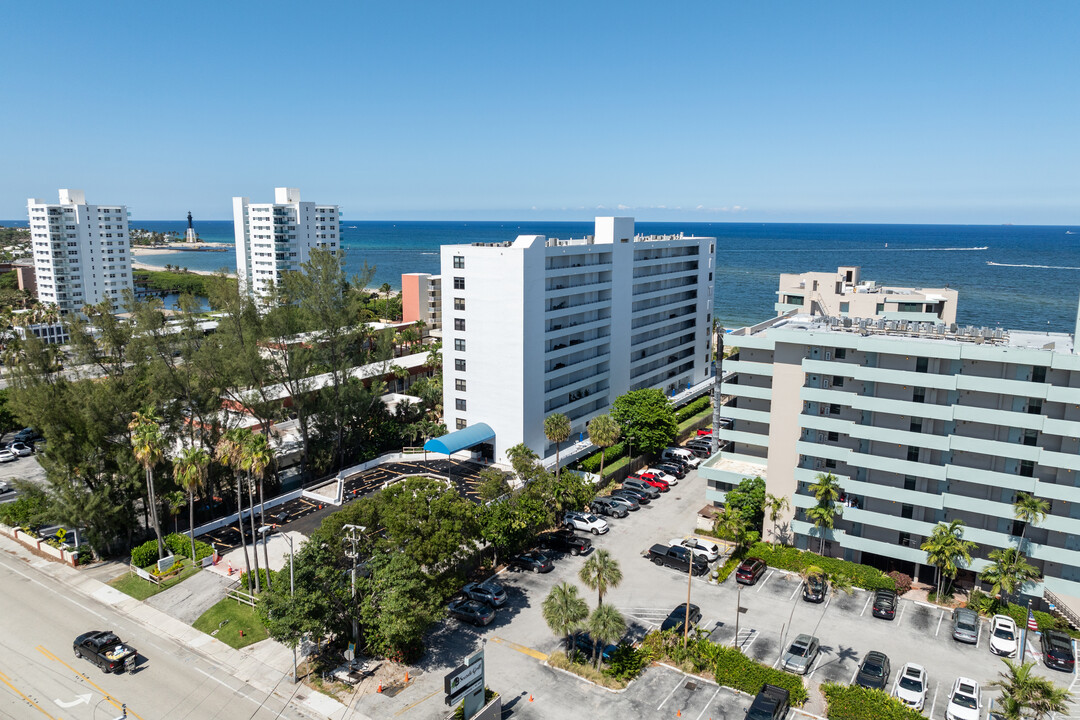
(20, 449)
(965, 700)
(661, 475)
(585, 521)
(1003, 636)
(705, 548)
(911, 686)
(7, 456)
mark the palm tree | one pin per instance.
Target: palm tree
(1030, 510)
(603, 432)
(174, 503)
(557, 430)
(946, 549)
(826, 489)
(827, 492)
(257, 458)
(1049, 700)
(1009, 571)
(606, 625)
(1022, 690)
(601, 573)
(824, 519)
(775, 505)
(190, 473)
(229, 452)
(563, 610)
(146, 443)
(732, 524)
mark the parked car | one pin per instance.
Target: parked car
(800, 655)
(677, 617)
(533, 561)
(7, 456)
(489, 592)
(679, 462)
(20, 449)
(641, 496)
(704, 432)
(628, 501)
(585, 521)
(632, 483)
(678, 471)
(771, 703)
(678, 557)
(700, 450)
(5, 487)
(705, 548)
(815, 588)
(911, 686)
(750, 570)
(26, 435)
(471, 611)
(565, 541)
(104, 649)
(885, 604)
(965, 700)
(652, 482)
(607, 506)
(1057, 650)
(682, 454)
(1003, 636)
(873, 671)
(659, 474)
(965, 625)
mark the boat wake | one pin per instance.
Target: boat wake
(1041, 267)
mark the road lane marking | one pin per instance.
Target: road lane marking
(86, 678)
(422, 700)
(866, 605)
(765, 580)
(794, 593)
(224, 684)
(942, 617)
(978, 636)
(670, 694)
(4, 678)
(901, 617)
(933, 704)
(52, 590)
(852, 680)
(520, 648)
(708, 703)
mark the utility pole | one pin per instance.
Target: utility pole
(292, 594)
(738, 609)
(689, 577)
(718, 396)
(354, 555)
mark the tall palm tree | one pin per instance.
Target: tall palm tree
(775, 505)
(601, 573)
(603, 432)
(146, 443)
(1024, 694)
(732, 524)
(826, 489)
(557, 430)
(563, 610)
(190, 473)
(1008, 572)
(946, 549)
(1030, 510)
(229, 452)
(827, 492)
(606, 625)
(257, 458)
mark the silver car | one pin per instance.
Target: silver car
(799, 657)
(965, 625)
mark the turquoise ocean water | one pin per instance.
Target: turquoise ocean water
(1010, 276)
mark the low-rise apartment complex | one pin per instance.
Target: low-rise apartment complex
(421, 300)
(541, 325)
(845, 294)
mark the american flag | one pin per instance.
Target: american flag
(1032, 625)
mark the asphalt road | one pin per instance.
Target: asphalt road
(41, 678)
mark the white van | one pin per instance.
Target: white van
(673, 453)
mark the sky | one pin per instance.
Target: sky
(915, 112)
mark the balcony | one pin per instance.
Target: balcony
(748, 367)
(990, 478)
(997, 448)
(1022, 388)
(747, 391)
(746, 438)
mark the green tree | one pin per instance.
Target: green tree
(1008, 572)
(1029, 510)
(564, 610)
(557, 430)
(601, 573)
(230, 453)
(256, 457)
(428, 520)
(647, 416)
(397, 605)
(146, 443)
(190, 470)
(775, 506)
(748, 499)
(174, 501)
(492, 484)
(525, 462)
(1025, 694)
(732, 525)
(827, 492)
(603, 433)
(947, 550)
(606, 625)
(31, 507)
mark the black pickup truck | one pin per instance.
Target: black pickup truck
(771, 703)
(105, 649)
(678, 557)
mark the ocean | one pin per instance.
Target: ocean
(1011, 276)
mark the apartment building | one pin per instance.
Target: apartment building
(540, 325)
(81, 252)
(921, 423)
(845, 294)
(272, 238)
(421, 300)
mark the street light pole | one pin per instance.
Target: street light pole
(738, 609)
(292, 594)
(354, 555)
(689, 577)
(630, 454)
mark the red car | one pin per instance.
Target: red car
(704, 431)
(650, 479)
(750, 570)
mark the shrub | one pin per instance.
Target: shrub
(181, 545)
(693, 408)
(839, 571)
(902, 580)
(627, 662)
(145, 555)
(728, 567)
(849, 702)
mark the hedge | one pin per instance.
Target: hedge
(146, 554)
(693, 408)
(592, 463)
(983, 604)
(849, 702)
(786, 557)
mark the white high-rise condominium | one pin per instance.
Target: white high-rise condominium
(274, 237)
(81, 252)
(541, 325)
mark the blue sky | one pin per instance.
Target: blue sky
(960, 112)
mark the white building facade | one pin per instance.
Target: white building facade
(272, 238)
(81, 252)
(538, 326)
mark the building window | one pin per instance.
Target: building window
(459, 384)
(879, 309)
(459, 262)
(1027, 468)
(916, 425)
(1034, 406)
(830, 463)
(1038, 374)
(918, 395)
(459, 344)
(834, 409)
(1018, 528)
(459, 365)
(906, 511)
(460, 424)
(909, 482)
(844, 308)
(1030, 437)
(922, 364)
(834, 437)
(459, 323)
(459, 283)
(913, 454)
(905, 539)
(838, 381)
(459, 404)
(459, 303)
(840, 353)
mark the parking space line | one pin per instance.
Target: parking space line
(852, 680)
(933, 703)
(866, 605)
(765, 580)
(670, 694)
(751, 638)
(708, 703)
(978, 636)
(939, 623)
(520, 648)
(901, 616)
(794, 593)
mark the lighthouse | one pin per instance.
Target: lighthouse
(191, 235)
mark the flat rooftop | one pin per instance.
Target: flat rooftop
(591, 240)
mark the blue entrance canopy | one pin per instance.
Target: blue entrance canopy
(460, 439)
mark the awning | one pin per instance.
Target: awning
(460, 439)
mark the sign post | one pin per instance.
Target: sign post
(466, 682)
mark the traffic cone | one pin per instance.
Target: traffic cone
(678, 713)
(406, 677)
(530, 697)
(380, 688)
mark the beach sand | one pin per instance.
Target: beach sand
(136, 265)
(180, 247)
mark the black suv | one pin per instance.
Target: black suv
(814, 588)
(605, 506)
(533, 561)
(885, 604)
(679, 471)
(874, 671)
(565, 541)
(677, 618)
(1058, 650)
